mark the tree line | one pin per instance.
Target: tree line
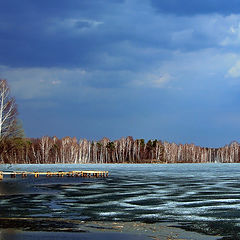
(125, 150)
(15, 148)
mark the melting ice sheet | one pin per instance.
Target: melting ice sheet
(201, 197)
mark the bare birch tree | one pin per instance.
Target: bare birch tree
(9, 126)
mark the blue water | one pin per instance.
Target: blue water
(198, 197)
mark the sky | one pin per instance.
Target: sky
(167, 70)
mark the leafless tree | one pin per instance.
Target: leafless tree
(124, 150)
(9, 126)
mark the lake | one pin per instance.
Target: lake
(202, 198)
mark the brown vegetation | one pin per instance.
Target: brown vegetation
(124, 150)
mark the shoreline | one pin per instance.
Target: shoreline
(140, 163)
(27, 228)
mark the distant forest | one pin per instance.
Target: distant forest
(15, 148)
(125, 150)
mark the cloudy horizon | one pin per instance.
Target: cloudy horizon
(167, 70)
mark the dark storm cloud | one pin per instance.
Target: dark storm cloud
(55, 8)
(40, 33)
(112, 35)
(192, 7)
(97, 34)
(149, 67)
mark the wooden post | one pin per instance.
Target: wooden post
(13, 175)
(24, 175)
(86, 174)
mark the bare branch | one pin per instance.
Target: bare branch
(8, 112)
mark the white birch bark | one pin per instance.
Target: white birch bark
(8, 111)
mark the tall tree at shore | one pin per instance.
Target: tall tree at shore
(9, 124)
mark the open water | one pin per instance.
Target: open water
(197, 197)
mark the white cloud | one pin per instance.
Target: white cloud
(56, 82)
(74, 25)
(159, 81)
(29, 83)
(155, 79)
(234, 71)
(232, 31)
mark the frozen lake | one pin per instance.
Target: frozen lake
(199, 197)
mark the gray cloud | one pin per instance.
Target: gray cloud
(159, 69)
(94, 35)
(193, 7)
(83, 24)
